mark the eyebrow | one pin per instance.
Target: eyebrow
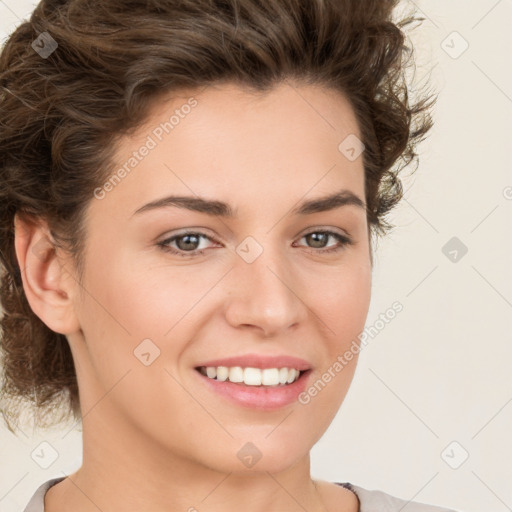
(220, 209)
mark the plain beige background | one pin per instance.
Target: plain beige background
(429, 414)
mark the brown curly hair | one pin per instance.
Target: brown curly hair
(62, 113)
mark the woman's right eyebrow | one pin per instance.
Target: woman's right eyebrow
(216, 208)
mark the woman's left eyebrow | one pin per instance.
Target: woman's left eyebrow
(215, 208)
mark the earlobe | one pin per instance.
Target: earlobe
(47, 284)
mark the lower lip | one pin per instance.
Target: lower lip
(265, 398)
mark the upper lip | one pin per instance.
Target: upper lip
(260, 361)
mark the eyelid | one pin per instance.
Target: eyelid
(344, 239)
(332, 229)
(187, 231)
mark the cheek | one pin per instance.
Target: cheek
(121, 309)
(125, 317)
(133, 300)
(342, 303)
(341, 300)
(137, 311)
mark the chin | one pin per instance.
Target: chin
(257, 456)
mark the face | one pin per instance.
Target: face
(177, 286)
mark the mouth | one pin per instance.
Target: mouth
(249, 376)
(262, 389)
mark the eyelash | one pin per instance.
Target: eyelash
(342, 239)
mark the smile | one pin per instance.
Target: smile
(252, 376)
(258, 389)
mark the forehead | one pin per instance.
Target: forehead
(320, 105)
(225, 139)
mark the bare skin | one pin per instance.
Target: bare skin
(156, 437)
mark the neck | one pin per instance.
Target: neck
(122, 473)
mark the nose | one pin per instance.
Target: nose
(265, 295)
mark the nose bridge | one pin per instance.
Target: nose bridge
(263, 291)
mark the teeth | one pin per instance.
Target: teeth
(222, 372)
(236, 374)
(269, 376)
(252, 376)
(291, 375)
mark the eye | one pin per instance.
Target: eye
(188, 244)
(319, 238)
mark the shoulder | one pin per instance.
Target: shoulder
(379, 501)
(369, 500)
(36, 503)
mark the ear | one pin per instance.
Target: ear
(49, 287)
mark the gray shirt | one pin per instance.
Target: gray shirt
(370, 501)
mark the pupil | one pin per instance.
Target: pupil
(187, 244)
(316, 237)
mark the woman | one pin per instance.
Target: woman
(189, 194)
